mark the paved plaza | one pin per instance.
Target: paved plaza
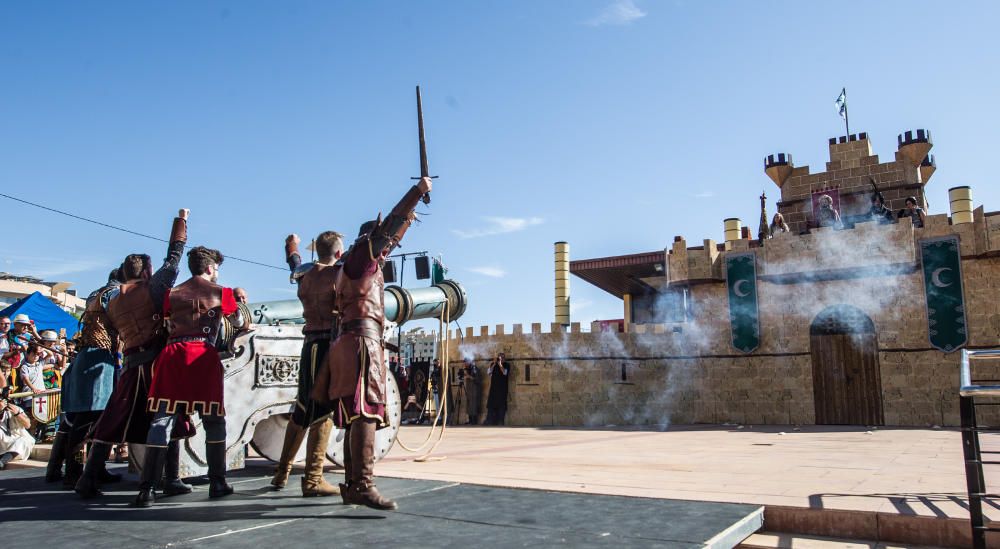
(844, 482)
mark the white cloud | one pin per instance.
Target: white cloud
(577, 305)
(499, 225)
(619, 12)
(705, 194)
(48, 268)
(486, 270)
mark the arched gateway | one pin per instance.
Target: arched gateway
(847, 386)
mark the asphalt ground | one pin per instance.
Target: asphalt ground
(431, 514)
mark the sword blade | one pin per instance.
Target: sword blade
(424, 169)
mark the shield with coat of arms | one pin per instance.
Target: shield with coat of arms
(45, 407)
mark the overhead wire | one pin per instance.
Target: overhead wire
(129, 231)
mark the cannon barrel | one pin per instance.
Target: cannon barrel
(401, 305)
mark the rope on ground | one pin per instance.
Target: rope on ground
(443, 350)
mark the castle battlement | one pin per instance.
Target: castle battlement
(867, 244)
(835, 311)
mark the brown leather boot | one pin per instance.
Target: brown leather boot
(313, 483)
(363, 491)
(293, 440)
(345, 487)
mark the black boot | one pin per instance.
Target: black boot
(172, 483)
(74, 471)
(5, 459)
(89, 484)
(152, 470)
(107, 477)
(53, 471)
(217, 485)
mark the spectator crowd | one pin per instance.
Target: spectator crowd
(31, 368)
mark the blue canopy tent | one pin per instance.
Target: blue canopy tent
(45, 314)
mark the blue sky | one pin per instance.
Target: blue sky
(611, 124)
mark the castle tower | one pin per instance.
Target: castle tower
(851, 167)
(562, 282)
(961, 204)
(733, 230)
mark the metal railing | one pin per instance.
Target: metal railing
(969, 390)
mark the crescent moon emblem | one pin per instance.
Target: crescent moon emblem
(738, 291)
(936, 277)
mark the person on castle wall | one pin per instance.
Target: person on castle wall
(914, 212)
(827, 216)
(496, 402)
(878, 211)
(777, 226)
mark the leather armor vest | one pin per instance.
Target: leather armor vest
(318, 294)
(196, 309)
(361, 302)
(134, 315)
(96, 330)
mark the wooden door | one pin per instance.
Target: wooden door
(847, 387)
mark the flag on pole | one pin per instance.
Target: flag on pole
(841, 104)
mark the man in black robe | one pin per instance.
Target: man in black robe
(496, 403)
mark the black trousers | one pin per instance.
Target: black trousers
(495, 416)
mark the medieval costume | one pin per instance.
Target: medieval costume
(188, 377)
(878, 212)
(87, 386)
(356, 368)
(827, 215)
(15, 441)
(496, 403)
(318, 294)
(915, 213)
(135, 309)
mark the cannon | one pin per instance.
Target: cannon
(261, 374)
(401, 305)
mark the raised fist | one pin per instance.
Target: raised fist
(293, 239)
(183, 214)
(425, 185)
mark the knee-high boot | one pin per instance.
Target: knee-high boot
(172, 483)
(293, 440)
(363, 491)
(313, 483)
(152, 470)
(88, 486)
(57, 456)
(345, 487)
(217, 485)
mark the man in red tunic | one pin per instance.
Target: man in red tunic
(187, 375)
(135, 312)
(356, 367)
(318, 294)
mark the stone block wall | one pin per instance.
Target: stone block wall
(687, 372)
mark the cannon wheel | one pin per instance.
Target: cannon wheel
(269, 436)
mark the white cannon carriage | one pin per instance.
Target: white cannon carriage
(261, 375)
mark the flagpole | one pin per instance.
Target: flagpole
(847, 122)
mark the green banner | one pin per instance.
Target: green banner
(744, 318)
(941, 260)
